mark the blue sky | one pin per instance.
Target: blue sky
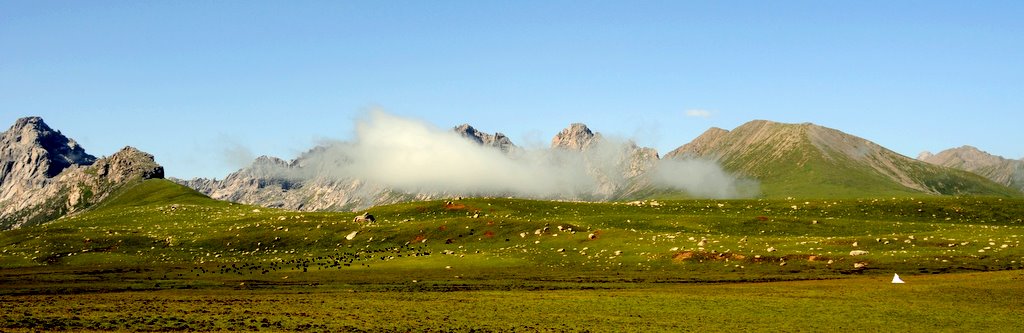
(191, 81)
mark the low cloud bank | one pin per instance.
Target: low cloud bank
(416, 157)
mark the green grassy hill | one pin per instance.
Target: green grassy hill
(176, 260)
(174, 236)
(810, 161)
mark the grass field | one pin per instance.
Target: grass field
(986, 302)
(160, 257)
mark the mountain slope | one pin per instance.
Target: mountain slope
(998, 169)
(45, 175)
(814, 161)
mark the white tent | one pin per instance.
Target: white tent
(896, 278)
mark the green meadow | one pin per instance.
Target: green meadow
(160, 257)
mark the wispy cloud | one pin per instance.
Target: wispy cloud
(699, 113)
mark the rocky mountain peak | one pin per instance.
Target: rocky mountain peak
(497, 140)
(33, 150)
(468, 132)
(128, 163)
(575, 137)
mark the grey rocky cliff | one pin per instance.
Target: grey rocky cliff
(46, 175)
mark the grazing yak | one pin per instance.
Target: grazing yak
(366, 217)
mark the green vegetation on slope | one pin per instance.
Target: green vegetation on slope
(178, 261)
(810, 161)
(163, 225)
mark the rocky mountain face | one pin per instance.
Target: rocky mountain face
(31, 154)
(45, 175)
(299, 185)
(807, 158)
(496, 140)
(575, 137)
(996, 168)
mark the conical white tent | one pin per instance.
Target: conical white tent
(896, 278)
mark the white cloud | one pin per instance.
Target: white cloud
(413, 156)
(699, 113)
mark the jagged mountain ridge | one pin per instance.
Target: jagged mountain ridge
(996, 168)
(46, 175)
(296, 185)
(789, 159)
(800, 159)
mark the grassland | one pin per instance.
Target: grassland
(176, 260)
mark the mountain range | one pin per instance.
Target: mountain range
(45, 175)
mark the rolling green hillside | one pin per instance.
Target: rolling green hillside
(810, 161)
(179, 261)
(164, 227)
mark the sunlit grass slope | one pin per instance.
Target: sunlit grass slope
(162, 226)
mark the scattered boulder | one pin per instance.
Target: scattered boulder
(858, 253)
(366, 217)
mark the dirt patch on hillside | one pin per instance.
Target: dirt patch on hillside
(454, 206)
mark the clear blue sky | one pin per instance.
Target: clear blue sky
(189, 80)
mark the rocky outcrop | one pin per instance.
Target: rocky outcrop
(999, 169)
(46, 175)
(128, 164)
(497, 140)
